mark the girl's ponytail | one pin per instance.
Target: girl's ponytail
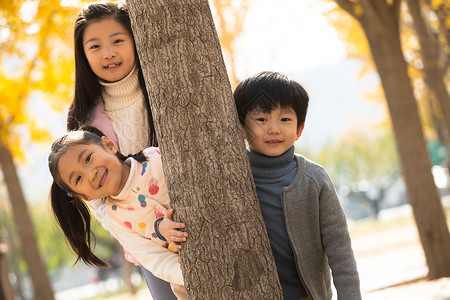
(72, 213)
(73, 217)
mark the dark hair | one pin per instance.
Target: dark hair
(267, 91)
(72, 213)
(87, 87)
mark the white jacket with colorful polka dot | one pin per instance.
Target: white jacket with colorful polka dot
(130, 216)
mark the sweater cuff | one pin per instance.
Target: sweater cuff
(157, 221)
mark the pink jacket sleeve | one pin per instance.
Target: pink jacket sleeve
(103, 123)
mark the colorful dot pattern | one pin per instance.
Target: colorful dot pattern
(144, 167)
(153, 188)
(140, 213)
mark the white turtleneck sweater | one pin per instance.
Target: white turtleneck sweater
(125, 107)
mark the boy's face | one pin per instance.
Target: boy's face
(93, 171)
(271, 133)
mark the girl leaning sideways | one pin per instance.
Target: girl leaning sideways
(110, 93)
(130, 197)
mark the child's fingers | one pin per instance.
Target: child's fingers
(176, 225)
(169, 214)
(176, 238)
(174, 247)
(178, 233)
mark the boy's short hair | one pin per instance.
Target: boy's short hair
(269, 90)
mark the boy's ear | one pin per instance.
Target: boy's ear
(300, 130)
(110, 145)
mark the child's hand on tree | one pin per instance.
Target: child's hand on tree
(170, 231)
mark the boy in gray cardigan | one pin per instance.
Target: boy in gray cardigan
(304, 219)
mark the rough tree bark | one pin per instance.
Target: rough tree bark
(36, 268)
(380, 22)
(227, 255)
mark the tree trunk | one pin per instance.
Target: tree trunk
(442, 12)
(127, 272)
(379, 21)
(6, 290)
(227, 255)
(36, 268)
(431, 57)
(435, 115)
(13, 250)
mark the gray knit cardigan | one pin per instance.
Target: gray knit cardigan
(319, 235)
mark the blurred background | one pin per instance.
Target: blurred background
(357, 128)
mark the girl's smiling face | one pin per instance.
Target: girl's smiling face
(93, 171)
(109, 49)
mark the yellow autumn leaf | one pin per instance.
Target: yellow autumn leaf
(37, 47)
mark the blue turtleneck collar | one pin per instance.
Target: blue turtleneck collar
(272, 165)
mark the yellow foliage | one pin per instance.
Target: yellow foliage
(358, 10)
(229, 16)
(437, 3)
(349, 31)
(36, 55)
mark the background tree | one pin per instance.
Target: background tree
(36, 269)
(6, 290)
(227, 255)
(380, 21)
(352, 35)
(441, 10)
(433, 63)
(14, 251)
(25, 24)
(363, 169)
(358, 157)
(230, 16)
